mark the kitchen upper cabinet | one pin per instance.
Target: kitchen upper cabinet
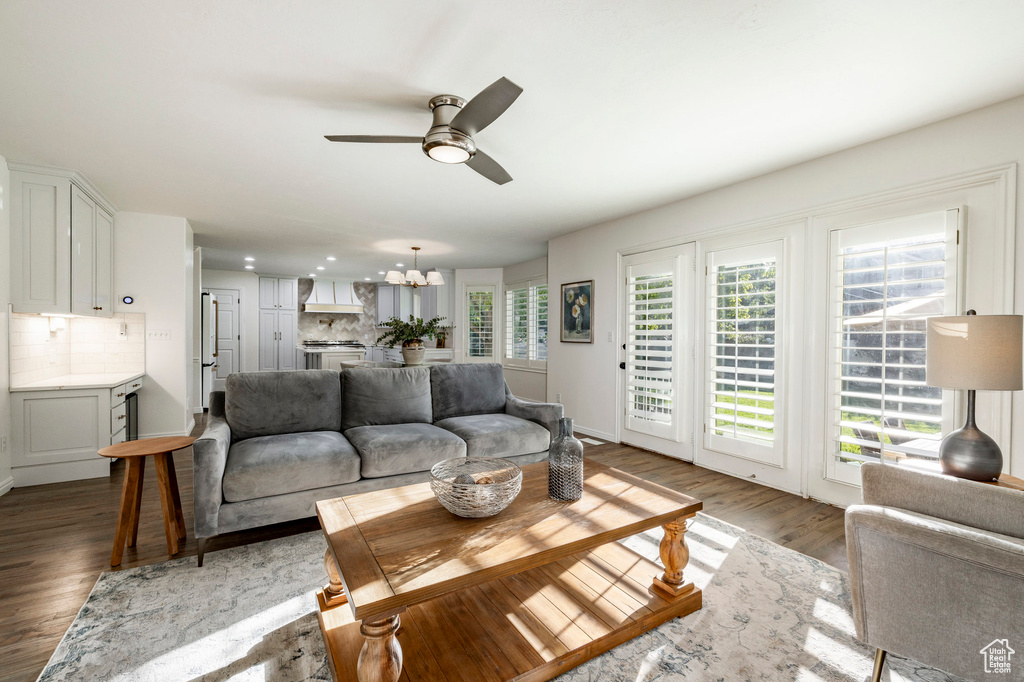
(91, 257)
(62, 244)
(279, 293)
(393, 300)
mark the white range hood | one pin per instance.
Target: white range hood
(329, 296)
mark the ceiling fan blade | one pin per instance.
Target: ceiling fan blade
(491, 103)
(489, 168)
(373, 138)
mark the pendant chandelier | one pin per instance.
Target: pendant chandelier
(414, 278)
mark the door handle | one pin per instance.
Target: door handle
(622, 365)
(216, 327)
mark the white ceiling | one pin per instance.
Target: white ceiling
(216, 111)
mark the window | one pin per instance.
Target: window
(480, 323)
(526, 324)
(742, 341)
(887, 280)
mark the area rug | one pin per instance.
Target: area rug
(249, 614)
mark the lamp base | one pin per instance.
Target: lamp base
(970, 453)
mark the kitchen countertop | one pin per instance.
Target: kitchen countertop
(332, 349)
(73, 381)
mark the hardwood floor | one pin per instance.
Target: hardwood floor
(55, 540)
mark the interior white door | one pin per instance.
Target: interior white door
(657, 409)
(228, 328)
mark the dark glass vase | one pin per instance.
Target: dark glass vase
(565, 465)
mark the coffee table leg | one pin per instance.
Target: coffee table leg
(380, 659)
(334, 591)
(675, 555)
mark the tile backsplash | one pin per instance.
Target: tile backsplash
(340, 327)
(86, 345)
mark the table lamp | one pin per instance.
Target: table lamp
(973, 352)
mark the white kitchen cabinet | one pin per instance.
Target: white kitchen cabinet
(62, 249)
(279, 323)
(55, 433)
(279, 293)
(334, 360)
(278, 332)
(393, 300)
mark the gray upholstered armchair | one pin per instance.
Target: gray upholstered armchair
(937, 569)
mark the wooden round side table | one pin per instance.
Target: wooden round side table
(134, 452)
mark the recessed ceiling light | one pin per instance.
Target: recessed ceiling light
(367, 279)
(331, 258)
(312, 274)
(249, 267)
(381, 273)
(319, 267)
(249, 258)
(399, 265)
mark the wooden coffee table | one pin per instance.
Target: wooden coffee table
(416, 593)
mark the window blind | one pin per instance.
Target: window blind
(526, 324)
(480, 318)
(884, 291)
(650, 347)
(742, 350)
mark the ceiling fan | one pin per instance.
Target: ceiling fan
(456, 121)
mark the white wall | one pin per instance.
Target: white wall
(151, 263)
(248, 285)
(585, 374)
(530, 384)
(6, 481)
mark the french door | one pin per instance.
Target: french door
(658, 349)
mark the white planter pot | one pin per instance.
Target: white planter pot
(414, 355)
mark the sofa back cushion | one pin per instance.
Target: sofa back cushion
(464, 389)
(373, 397)
(271, 403)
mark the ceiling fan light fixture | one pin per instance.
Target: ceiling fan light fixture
(447, 154)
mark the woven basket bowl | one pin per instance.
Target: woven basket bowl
(475, 500)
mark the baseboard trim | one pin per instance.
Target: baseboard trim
(168, 433)
(6, 485)
(594, 433)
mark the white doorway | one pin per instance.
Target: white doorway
(228, 329)
(657, 350)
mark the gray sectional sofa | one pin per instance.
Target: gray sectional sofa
(277, 442)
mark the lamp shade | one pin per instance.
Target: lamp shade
(975, 352)
(394, 277)
(434, 278)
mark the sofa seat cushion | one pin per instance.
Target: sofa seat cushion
(497, 435)
(403, 448)
(276, 465)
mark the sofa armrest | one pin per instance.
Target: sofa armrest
(930, 589)
(209, 458)
(545, 414)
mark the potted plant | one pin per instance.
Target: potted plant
(411, 334)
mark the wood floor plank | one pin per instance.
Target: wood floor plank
(55, 540)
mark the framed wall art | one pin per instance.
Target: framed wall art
(577, 309)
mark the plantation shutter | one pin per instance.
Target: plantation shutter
(742, 344)
(887, 280)
(526, 325)
(480, 323)
(650, 348)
